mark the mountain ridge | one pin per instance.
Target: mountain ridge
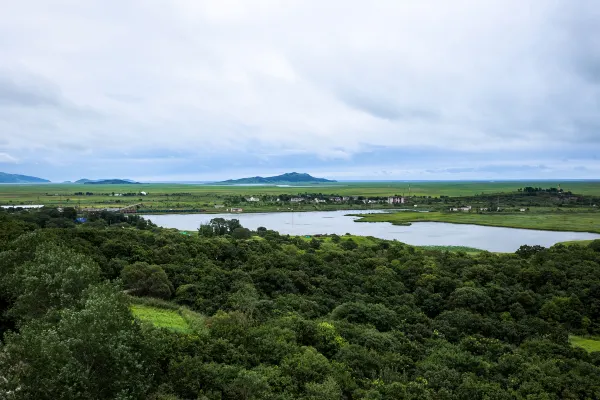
(107, 182)
(289, 177)
(17, 178)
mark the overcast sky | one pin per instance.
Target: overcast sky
(348, 89)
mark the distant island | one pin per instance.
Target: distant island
(107, 182)
(16, 178)
(291, 177)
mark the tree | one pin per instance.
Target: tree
(95, 351)
(53, 280)
(241, 233)
(307, 366)
(143, 279)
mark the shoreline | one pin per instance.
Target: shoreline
(364, 219)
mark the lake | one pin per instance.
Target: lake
(418, 234)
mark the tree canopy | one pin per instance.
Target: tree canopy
(281, 317)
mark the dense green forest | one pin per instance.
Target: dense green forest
(281, 317)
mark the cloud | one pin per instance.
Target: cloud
(7, 158)
(27, 94)
(403, 87)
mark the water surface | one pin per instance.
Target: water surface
(418, 234)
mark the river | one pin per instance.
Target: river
(418, 234)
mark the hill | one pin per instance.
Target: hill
(113, 181)
(291, 177)
(16, 178)
(110, 182)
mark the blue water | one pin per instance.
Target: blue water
(418, 234)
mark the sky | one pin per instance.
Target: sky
(192, 90)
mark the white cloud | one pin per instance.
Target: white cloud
(7, 158)
(330, 79)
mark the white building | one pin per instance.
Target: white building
(466, 208)
(395, 200)
(143, 193)
(296, 199)
(523, 209)
(252, 199)
(320, 201)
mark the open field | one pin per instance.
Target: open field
(197, 196)
(167, 315)
(160, 317)
(553, 221)
(587, 343)
(184, 198)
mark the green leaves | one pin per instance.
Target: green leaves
(53, 280)
(94, 351)
(143, 279)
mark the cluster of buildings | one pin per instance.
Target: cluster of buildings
(128, 194)
(465, 208)
(338, 199)
(482, 209)
(23, 206)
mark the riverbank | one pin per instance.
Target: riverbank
(492, 239)
(567, 221)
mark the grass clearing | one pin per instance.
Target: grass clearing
(169, 316)
(161, 318)
(576, 243)
(589, 344)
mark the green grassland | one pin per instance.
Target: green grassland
(554, 221)
(576, 242)
(589, 344)
(162, 318)
(198, 196)
(168, 316)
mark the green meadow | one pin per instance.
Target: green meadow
(589, 344)
(167, 315)
(553, 221)
(161, 318)
(200, 196)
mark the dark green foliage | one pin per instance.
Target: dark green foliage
(220, 227)
(143, 279)
(93, 352)
(595, 245)
(288, 318)
(53, 280)
(241, 233)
